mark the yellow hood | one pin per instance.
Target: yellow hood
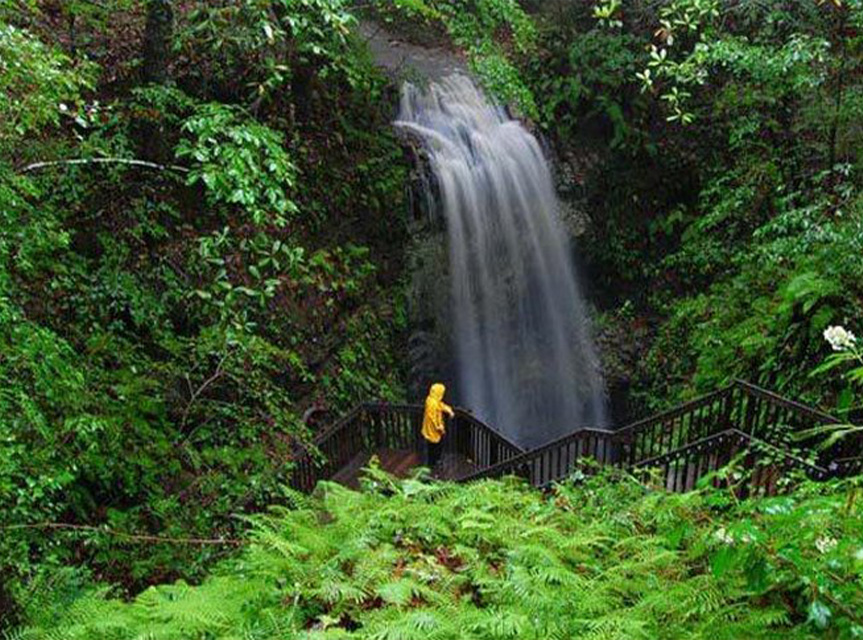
(433, 426)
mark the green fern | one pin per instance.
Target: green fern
(496, 560)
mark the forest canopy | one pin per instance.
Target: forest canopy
(208, 241)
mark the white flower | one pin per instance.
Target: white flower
(63, 107)
(723, 536)
(826, 544)
(839, 338)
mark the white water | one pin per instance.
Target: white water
(526, 361)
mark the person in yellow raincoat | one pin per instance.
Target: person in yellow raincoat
(433, 425)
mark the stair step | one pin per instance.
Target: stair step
(397, 462)
(400, 462)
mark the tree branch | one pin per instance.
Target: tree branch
(128, 536)
(129, 161)
(200, 390)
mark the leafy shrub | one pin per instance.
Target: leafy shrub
(242, 163)
(160, 340)
(37, 82)
(595, 558)
(259, 49)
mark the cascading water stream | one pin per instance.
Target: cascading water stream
(526, 360)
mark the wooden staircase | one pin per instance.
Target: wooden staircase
(740, 421)
(398, 462)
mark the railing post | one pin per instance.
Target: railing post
(749, 423)
(728, 406)
(375, 427)
(493, 451)
(416, 425)
(462, 436)
(613, 450)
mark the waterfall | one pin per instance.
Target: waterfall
(525, 359)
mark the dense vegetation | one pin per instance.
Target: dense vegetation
(723, 182)
(203, 227)
(165, 322)
(601, 558)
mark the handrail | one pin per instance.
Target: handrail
(674, 412)
(739, 414)
(670, 435)
(755, 390)
(798, 461)
(458, 411)
(337, 425)
(468, 415)
(528, 457)
(656, 461)
(374, 425)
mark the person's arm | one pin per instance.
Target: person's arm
(447, 409)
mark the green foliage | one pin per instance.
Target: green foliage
(475, 25)
(795, 276)
(320, 27)
(161, 337)
(595, 558)
(582, 79)
(735, 237)
(847, 358)
(38, 83)
(496, 36)
(607, 13)
(685, 22)
(270, 45)
(240, 162)
(364, 369)
(503, 80)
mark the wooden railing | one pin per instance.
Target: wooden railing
(480, 444)
(555, 460)
(680, 470)
(336, 447)
(685, 443)
(775, 419)
(675, 428)
(376, 426)
(695, 439)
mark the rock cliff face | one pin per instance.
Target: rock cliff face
(571, 171)
(404, 59)
(430, 351)
(621, 338)
(430, 345)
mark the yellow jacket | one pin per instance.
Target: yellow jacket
(433, 426)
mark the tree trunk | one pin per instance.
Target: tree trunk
(156, 56)
(838, 92)
(157, 41)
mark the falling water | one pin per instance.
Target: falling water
(526, 362)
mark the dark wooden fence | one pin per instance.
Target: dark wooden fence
(375, 426)
(699, 438)
(684, 444)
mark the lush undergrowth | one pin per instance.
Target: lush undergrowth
(715, 146)
(594, 558)
(201, 229)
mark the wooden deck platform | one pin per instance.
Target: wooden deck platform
(400, 462)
